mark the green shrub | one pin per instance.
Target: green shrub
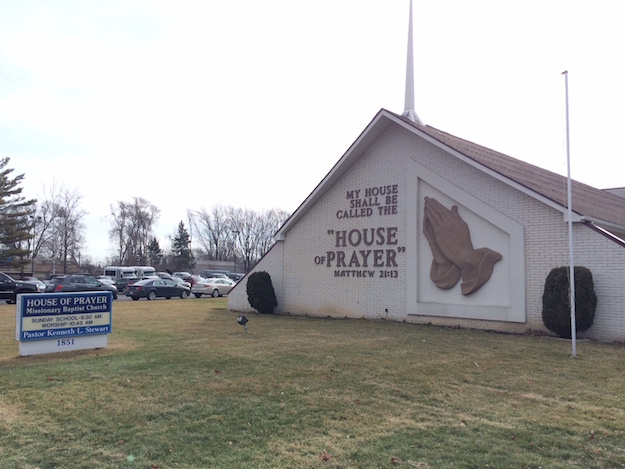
(260, 292)
(556, 301)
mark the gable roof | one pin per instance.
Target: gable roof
(587, 201)
(595, 205)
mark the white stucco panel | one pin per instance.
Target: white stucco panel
(502, 296)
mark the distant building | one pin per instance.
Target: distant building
(228, 266)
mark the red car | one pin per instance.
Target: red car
(193, 279)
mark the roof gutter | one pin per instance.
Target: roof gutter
(601, 223)
(602, 231)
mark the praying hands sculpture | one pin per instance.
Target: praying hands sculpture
(454, 256)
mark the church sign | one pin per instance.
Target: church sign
(55, 322)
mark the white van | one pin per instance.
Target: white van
(144, 271)
(121, 275)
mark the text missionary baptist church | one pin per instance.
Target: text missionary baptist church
(414, 224)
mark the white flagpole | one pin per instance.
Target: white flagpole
(572, 264)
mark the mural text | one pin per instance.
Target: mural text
(379, 200)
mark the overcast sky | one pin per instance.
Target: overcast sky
(190, 104)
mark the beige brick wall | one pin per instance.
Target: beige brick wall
(271, 263)
(313, 289)
(305, 287)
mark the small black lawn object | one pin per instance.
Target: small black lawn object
(242, 320)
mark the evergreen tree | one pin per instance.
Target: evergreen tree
(15, 219)
(155, 253)
(181, 249)
(260, 292)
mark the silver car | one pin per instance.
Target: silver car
(212, 286)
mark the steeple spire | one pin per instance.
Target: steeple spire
(409, 110)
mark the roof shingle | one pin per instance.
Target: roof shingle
(586, 200)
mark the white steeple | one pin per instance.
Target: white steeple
(409, 110)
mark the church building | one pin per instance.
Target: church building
(416, 225)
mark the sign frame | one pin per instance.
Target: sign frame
(62, 322)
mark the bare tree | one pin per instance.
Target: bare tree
(58, 229)
(70, 228)
(236, 234)
(269, 223)
(117, 233)
(210, 231)
(245, 223)
(132, 225)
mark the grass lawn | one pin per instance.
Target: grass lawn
(181, 385)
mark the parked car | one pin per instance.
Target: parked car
(181, 274)
(213, 286)
(78, 283)
(105, 279)
(182, 282)
(10, 288)
(178, 280)
(216, 275)
(211, 273)
(36, 281)
(193, 279)
(153, 288)
(236, 277)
